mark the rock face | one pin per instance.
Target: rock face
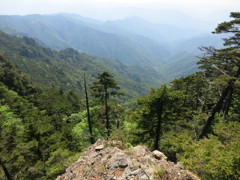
(159, 155)
(107, 161)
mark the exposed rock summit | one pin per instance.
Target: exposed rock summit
(108, 161)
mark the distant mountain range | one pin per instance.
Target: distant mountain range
(148, 52)
(59, 32)
(65, 68)
(132, 40)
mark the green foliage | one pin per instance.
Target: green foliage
(59, 161)
(65, 31)
(80, 130)
(159, 112)
(65, 69)
(189, 104)
(14, 79)
(105, 88)
(43, 131)
(32, 129)
(128, 131)
(160, 171)
(216, 157)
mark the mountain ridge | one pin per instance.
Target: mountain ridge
(113, 160)
(148, 61)
(61, 32)
(65, 68)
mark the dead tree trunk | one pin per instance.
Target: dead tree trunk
(228, 103)
(218, 106)
(159, 127)
(5, 170)
(88, 112)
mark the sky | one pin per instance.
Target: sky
(205, 10)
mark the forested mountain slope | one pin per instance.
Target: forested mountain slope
(33, 133)
(59, 32)
(194, 119)
(150, 46)
(65, 68)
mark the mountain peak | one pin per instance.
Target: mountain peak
(114, 160)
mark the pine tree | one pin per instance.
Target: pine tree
(225, 65)
(153, 112)
(104, 88)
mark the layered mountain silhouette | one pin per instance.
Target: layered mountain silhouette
(149, 53)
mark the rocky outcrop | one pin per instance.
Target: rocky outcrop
(108, 161)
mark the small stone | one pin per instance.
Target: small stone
(138, 173)
(144, 177)
(130, 163)
(127, 172)
(134, 173)
(99, 148)
(118, 160)
(180, 165)
(159, 155)
(140, 150)
(101, 161)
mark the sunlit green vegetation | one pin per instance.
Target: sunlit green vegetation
(193, 119)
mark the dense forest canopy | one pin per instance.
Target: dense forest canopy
(134, 42)
(193, 119)
(65, 69)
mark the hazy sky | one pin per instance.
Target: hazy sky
(207, 10)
